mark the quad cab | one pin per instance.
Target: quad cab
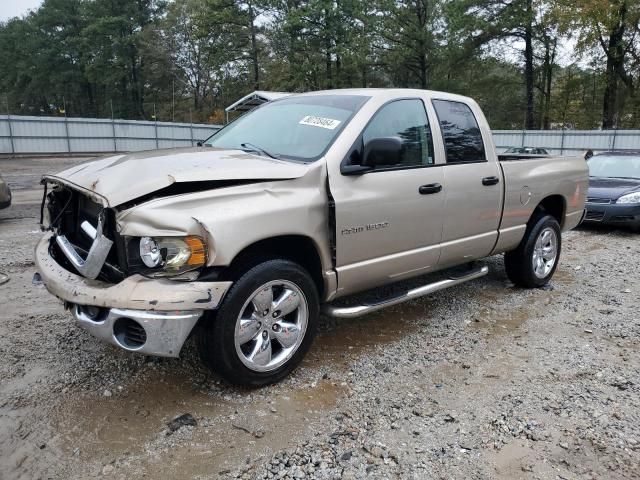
(243, 241)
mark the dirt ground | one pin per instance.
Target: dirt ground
(481, 381)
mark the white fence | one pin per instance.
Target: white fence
(56, 135)
(570, 142)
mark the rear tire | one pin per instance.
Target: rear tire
(264, 327)
(534, 261)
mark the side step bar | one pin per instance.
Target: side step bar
(360, 310)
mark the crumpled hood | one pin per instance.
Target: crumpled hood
(117, 179)
(612, 188)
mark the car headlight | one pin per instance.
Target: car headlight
(167, 256)
(629, 198)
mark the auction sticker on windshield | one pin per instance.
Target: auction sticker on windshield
(321, 122)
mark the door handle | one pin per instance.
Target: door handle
(490, 181)
(430, 188)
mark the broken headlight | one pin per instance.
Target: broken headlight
(167, 256)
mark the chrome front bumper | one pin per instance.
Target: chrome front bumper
(135, 292)
(150, 333)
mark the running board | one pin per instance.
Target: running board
(360, 310)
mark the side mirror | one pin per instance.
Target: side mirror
(382, 152)
(199, 143)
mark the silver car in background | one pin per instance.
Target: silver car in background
(5, 194)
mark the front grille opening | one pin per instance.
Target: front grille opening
(129, 333)
(604, 201)
(67, 209)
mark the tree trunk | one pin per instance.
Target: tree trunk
(615, 70)
(528, 67)
(254, 48)
(421, 13)
(328, 64)
(549, 60)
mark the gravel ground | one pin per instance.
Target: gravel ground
(480, 381)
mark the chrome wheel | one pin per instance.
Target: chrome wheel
(271, 325)
(545, 252)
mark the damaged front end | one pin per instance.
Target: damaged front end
(84, 234)
(113, 292)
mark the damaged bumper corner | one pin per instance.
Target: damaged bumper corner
(150, 333)
(135, 292)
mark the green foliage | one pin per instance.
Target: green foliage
(187, 59)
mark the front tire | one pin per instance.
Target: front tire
(534, 262)
(265, 325)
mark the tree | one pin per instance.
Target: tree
(487, 22)
(614, 27)
(410, 30)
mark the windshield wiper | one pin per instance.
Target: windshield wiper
(255, 148)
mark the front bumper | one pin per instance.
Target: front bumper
(150, 333)
(613, 214)
(135, 292)
(139, 314)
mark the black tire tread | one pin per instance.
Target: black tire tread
(517, 262)
(214, 347)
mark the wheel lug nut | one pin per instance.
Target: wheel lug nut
(265, 313)
(275, 314)
(276, 327)
(264, 334)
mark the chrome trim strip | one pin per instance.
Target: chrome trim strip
(360, 310)
(91, 266)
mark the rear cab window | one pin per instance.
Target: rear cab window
(460, 131)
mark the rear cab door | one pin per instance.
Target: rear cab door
(473, 179)
(386, 229)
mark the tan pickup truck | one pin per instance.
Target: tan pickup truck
(244, 240)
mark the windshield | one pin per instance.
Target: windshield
(298, 128)
(620, 166)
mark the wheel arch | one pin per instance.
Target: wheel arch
(297, 248)
(554, 205)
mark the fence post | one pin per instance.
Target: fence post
(562, 142)
(191, 127)
(13, 148)
(66, 125)
(155, 118)
(613, 141)
(66, 128)
(113, 131)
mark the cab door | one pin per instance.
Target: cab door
(389, 220)
(473, 200)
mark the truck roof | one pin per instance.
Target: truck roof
(391, 93)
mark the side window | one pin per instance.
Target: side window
(407, 120)
(461, 133)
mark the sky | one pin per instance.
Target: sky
(16, 8)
